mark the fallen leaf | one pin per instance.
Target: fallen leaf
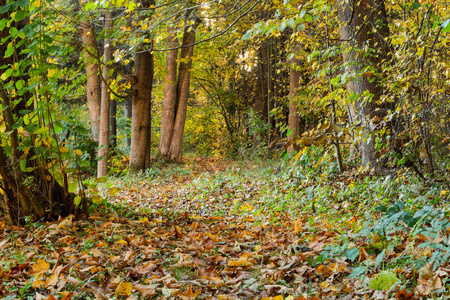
(124, 288)
(189, 294)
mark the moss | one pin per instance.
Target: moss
(383, 281)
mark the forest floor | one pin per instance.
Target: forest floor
(220, 229)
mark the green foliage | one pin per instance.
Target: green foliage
(384, 281)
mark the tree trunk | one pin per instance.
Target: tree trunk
(261, 91)
(93, 92)
(127, 110)
(360, 25)
(293, 120)
(113, 123)
(140, 108)
(170, 96)
(184, 79)
(141, 113)
(102, 165)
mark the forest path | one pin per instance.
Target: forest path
(208, 229)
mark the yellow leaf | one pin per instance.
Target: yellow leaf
(124, 288)
(114, 258)
(325, 284)
(444, 193)
(38, 284)
(63, 149)
(40, 267)
(243, 261)
(144, 220)
(78, 152)
(113, 191)
(122, 242)
(52, 280)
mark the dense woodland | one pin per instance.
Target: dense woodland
(224, 149)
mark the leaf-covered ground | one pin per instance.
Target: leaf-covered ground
(217, 229)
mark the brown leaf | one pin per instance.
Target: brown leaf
(402, 295)
(189, 294)
(146, 290)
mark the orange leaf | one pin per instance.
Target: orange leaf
(67, 295)
(298, 226)
(189, 294)
(402, 295)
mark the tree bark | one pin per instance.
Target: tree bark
(293, 120)
(102, 165)
(170, 96)
(261, 89)
(93, 92)
(361, 24)
(140, 108)
(127, 111)
(141, 113)
(113, 123)
(184, 80)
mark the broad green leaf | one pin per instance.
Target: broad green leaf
(352, 254)
(301, 27)
(358, 271)
(248, 35)
(4, 9)
(2, 23)
(20, 15)
(446, 25)
(41, 130)
(77, 200)
(73, 186)
(23, 164)
(380, 257)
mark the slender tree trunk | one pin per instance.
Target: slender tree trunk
(183, 88)
(261, 90)
(102, 165)
(127, 110)
(113, 123)
(359, 25)
(170, 96)
(93, 93)
(293, 120)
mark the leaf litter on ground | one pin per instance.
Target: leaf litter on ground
(221, 230)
